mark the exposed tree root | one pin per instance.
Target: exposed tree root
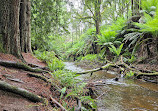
(26, 94)
(44, 79)
(20, 66)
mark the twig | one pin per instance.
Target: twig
(56, 102)
(100, 95)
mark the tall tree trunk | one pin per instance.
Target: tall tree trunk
(22, 23)
(25, 39)
(28, 21)
(135, 7)
(97, 16)
(15, 27)
(132, 7)
(9, 20)
(97, 23)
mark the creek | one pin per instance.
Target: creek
(122, 95)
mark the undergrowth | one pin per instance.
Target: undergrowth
(90, 57)
(52, 61)
(65, 79)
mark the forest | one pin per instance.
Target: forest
(79, 55)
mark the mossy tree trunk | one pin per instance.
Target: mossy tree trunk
(25, 39)
(97, 8)
(15, 26)
(135, 7)
(97, 16)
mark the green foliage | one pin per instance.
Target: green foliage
(76, 48)
(66, 78)
(88, 99)
(131, 59)
(49, 17)
(133, 38)
(130, 74)
(115, 50)
(147, 4)
(151, 24)
(83, 45)
(118, 24)
(90, 57)
(49, 57)
(106, 38)
(108, 35)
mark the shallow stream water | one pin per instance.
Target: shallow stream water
(122, 95)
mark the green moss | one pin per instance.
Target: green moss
(1, 45)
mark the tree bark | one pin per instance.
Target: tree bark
(28, 21)
(15, 27)
(24, 22)
(9, 20)
(97, 16)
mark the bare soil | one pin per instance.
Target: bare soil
(19, 78)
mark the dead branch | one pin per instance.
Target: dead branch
(56, 102)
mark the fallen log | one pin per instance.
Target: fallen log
(21, 65)
(107, 66)
(146, 74)
(124, 69)
(24, 93)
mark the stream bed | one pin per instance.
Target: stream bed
(122, 95)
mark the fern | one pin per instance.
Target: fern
(147, 4)
(133, 37)
(115, 50)
(151, 24)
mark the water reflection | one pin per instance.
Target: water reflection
(122, 95)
